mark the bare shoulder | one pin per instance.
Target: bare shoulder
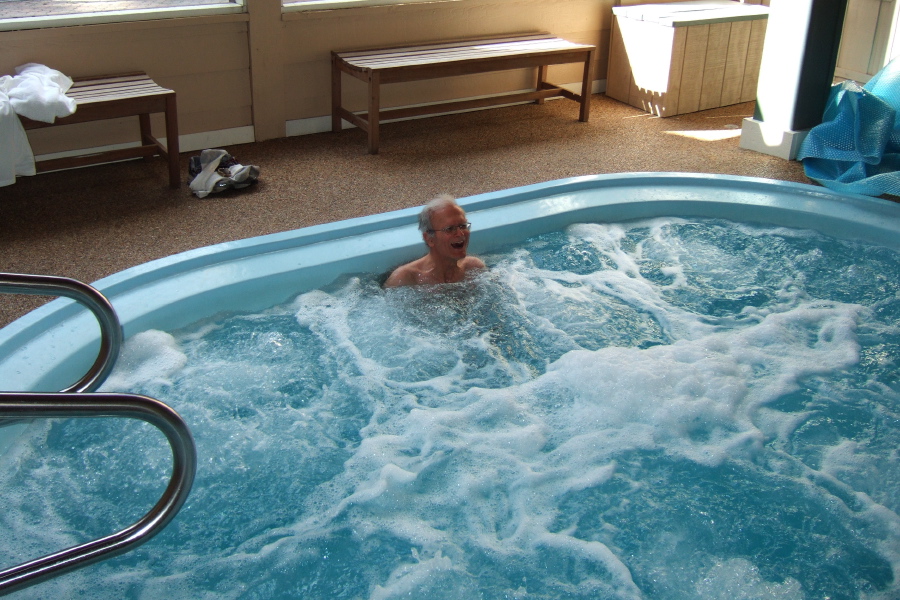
(408, 274)
(473, 262)
(401, 276)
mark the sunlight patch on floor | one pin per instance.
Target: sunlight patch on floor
(709, 135)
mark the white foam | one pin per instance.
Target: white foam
(738, 579)
(149, 357)
(498, 461)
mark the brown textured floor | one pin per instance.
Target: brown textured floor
(92, 222)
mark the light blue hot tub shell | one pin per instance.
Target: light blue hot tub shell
(55, 344)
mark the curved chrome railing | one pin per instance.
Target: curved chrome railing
(111, 335)
(184, 466)
(15, 406)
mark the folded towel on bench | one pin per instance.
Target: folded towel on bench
(39, 93)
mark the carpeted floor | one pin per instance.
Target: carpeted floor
(92, 222)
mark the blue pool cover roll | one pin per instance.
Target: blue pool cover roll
(856, 148)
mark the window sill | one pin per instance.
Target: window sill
(312, 5)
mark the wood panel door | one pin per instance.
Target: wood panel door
(869, 39)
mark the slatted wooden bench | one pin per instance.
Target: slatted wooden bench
(111, 97)
(394, 65)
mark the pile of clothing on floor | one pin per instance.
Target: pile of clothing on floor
(38, 93)
(215, 170)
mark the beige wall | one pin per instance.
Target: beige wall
(205, 60)
(252, 73)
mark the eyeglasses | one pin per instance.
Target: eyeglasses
(452, 229)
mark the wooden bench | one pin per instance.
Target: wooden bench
(111, 97)
(394, 65)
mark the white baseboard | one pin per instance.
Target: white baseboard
(186, 143)
(323, 124)
(216, 139)
(223, 138)
(307, 126)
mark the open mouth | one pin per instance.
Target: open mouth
(458, 245)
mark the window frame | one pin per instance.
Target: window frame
(174, 12)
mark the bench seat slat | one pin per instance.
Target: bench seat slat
(452, 44)
(99, 92)
(388, 62)
(381, 60)
(109, 95)
(123, 86)
(545, 44)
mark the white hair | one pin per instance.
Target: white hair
(431, 207)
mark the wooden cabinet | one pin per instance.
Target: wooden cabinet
(682, 57)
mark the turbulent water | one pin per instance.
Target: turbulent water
(667, 409)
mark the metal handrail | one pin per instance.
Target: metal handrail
(111, 335)
(184, 467)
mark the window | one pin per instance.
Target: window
(34, 14)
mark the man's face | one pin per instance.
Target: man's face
(450, 245)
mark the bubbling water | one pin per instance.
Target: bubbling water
(665, 409)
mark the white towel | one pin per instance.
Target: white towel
(16, 157)
(39, 93)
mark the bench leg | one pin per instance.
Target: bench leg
(146, 134)
(172, 142)
(374, 107)
(335, 95)
(541, 78)
(586, 88)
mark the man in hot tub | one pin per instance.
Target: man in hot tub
(446, 233)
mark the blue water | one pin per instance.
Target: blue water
(666, 409)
